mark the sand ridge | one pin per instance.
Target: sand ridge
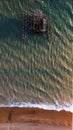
(34, 119)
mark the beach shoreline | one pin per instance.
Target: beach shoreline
(15, 118)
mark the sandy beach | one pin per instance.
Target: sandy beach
(34, 119)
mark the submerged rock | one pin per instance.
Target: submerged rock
(39, 23)
(35, 23)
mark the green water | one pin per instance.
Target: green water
(36, 69)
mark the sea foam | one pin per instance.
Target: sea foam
(45, 106)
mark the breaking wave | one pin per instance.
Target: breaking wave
(45, 106)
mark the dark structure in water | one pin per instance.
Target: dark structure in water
(39, 23)
(35, 23)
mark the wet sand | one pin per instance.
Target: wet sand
(34, 119)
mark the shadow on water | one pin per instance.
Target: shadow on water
(18, 29)
(10, 28)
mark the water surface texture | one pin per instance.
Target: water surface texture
(36, 70)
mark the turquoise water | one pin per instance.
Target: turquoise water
(36, 69)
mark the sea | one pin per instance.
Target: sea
(36, 71)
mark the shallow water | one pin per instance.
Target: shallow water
(36, 69)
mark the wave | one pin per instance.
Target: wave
(36, 70)
(45, 106)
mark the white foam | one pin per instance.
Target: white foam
(57, 107)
